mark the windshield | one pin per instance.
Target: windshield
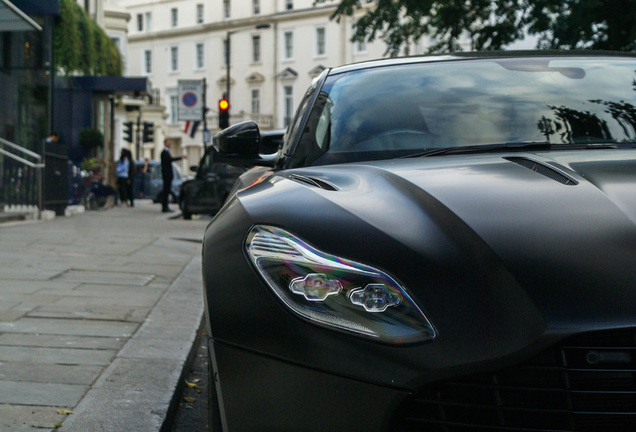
(405, 109)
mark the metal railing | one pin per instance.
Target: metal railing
(20, 176)
(264, 121)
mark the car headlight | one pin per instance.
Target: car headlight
(335, 292)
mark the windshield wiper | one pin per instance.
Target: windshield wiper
(484, 148)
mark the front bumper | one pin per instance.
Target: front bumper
(261, 393)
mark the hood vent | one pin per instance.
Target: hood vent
(313, 181)
(544, 170)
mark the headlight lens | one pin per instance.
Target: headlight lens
(334, 291)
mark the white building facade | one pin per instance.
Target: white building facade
(276, 48)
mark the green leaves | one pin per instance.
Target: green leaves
(452, 25)
(81, 46)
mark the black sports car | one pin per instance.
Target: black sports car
(442, 244)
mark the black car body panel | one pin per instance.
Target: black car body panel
(509, 254)
(214, 182)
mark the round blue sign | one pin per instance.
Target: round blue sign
(189, 99)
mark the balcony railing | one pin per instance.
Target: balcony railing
(20, 176)
(264, 121)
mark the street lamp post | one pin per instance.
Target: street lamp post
(228, 59)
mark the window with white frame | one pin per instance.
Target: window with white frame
(321, 41)
(256, 101)
(288, 49)
(256, 7)
(360, 47)
(289, 4)
(174, 17)
(174, 59)
(140, 22)
(147, 62)
(199, 55)
(117, 41)
(148, 21)
(200, 14)
(288, 100)
(256, 49)
(226, 8)
(174, 107)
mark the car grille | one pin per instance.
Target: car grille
(587, 383)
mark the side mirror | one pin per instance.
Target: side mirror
(239, 144)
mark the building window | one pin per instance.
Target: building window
(289, 4)
(200, 55)
(256, 7)
(360, 47)
(147, 66)
(288, 50)
(256, 49)
(174, 59)
(117, 41)
(256, 101)
(174, 17)
(226, 8)
(289, 104)
(148, 21)
(174, 107)
(321, 47)
(140, 22)
(199, 14)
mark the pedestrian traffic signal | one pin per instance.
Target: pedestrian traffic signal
(148, 132)
(128, 131)
(224, 114)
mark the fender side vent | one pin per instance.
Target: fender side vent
(313, 181)
(544, 170)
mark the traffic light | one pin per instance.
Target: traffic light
(148, 133)
(128, 131)
(224, 114)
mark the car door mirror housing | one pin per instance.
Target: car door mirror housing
(239, 145)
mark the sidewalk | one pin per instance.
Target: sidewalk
(98, 313)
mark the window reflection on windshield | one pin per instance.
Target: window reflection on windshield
(461, 103)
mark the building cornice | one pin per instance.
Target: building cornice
(232, 25)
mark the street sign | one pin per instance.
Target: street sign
(190, 100)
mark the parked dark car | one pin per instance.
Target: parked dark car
(443, 244)
(208, 190)
(150, 185)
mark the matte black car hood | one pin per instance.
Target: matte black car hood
(562, 223)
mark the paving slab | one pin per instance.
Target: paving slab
(68, 356)
(62, 341)
(34, 393)
(17, 417)
(49, 373)
(98, 314)
(69, 327)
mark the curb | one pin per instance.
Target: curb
(139, 390)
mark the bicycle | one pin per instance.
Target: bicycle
(97, 195)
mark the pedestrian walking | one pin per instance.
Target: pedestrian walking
(122, 170)
(167, 174)
(131, 176)
(143, 179)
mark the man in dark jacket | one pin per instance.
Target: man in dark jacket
(167, 174)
